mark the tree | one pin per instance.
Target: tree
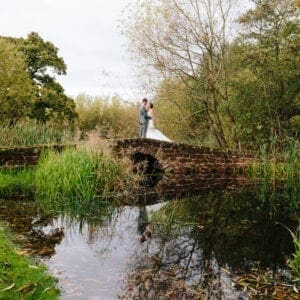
(17, 92)
(188, 40)
(180, 115)
(41, 62)
(268, 53)
(42, 57)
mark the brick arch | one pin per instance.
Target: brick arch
(184, 169)
(149, 166)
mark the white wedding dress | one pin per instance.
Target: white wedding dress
(153, 133)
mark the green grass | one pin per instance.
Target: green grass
(280, 167)
(80, 176)
(30, 132)
(284, 166)
(17, 182)
(20, 277)
(294, 261)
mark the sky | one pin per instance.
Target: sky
(87, 36)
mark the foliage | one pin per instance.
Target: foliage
(274, 167)
(80, 176)
(228, 88)
(266, 71)
(294, 263)
(30, 132)
(29, 77)
(109, 116)
(20, 278)
(16, 89)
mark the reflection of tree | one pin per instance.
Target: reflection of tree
(196, 240)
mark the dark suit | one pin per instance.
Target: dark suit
(144, 118)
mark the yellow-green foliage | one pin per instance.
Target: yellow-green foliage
(180, 115)
(80, 176)
(109, 116)
(16, 88)
(30, 132)
(20, 278)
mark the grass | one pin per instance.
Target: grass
(30, 132)
(294, 261)
(283, 167)
(20, 277)
(17, 182)
(80, 176)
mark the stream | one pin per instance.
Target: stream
(179, 249)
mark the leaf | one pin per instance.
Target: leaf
(8, 288)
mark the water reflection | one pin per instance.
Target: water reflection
(195, 248)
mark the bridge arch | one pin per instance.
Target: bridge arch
(175, 169)
(149, 166)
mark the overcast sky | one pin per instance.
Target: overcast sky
(87, 35)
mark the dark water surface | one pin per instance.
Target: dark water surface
(196, 248)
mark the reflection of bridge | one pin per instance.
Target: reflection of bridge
(174, 169)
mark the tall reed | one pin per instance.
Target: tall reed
(80, 176)
(279, 167)
(294, 261)
(30, 132)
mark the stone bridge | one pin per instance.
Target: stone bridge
(170, 169)
(174, 170)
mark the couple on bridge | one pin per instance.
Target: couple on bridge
(147, 129)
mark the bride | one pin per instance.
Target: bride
(152, 132)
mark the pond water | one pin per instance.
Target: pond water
(180, 249)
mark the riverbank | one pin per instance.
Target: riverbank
(21, 277)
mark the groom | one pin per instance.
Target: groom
(144, 118)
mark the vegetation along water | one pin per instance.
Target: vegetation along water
(219, 78)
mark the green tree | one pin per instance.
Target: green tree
(17, 92)
(266, 83)
(46, 99)
(42, 57)
(188, 41)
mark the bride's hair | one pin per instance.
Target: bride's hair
(151, 105)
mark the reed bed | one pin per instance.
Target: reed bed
(81, 176)
(282, 168)
(30, 132)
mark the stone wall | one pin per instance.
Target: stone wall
(22, 156)
(183, 168)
